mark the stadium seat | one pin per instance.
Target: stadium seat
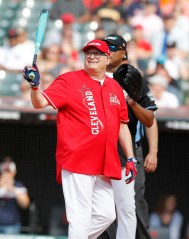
(184, 85)
(160, 233)
(10, 84)
(8, 10)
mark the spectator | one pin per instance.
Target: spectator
(100, 33)
(13, 195)
(173, 85)
(50, 60)
(50, 64)
(182, 7)
(180, 33)
(131, 8)
(166, 214)
(69, 44)
(109, 14)
(143, 48)
(173, 32)
(94, 5)
(163, 98)
(77, 8)
(14, 56)
(10, 44)
(68, 38)
(148, 18)
(172, 62)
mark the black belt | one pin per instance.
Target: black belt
(137, 144)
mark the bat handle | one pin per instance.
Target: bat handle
(32, 73)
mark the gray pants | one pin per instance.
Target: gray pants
(141, 204)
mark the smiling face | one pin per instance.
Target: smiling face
(95, 60)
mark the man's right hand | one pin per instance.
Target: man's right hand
(36, 76)
(131, 170)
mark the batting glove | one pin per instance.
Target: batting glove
(131, 171)
(31, 74)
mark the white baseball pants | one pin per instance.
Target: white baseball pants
(124, 196)
(90, 205)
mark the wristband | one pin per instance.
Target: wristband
(34, 88)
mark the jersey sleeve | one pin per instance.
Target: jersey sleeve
(57, 93)
(147, 100)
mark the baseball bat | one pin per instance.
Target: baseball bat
(40, 32)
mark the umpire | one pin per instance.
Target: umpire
(141, 106)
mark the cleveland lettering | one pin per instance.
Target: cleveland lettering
(92, 111)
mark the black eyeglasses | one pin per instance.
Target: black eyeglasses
(96, 54)
(114, 48)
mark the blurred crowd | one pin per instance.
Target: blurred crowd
(13, 197)
(156, 32)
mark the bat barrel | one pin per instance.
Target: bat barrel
(39, 37)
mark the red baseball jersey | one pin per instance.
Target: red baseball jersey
(88, 123)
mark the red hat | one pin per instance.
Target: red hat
(67, 17)
(138, 27)
(98, 44)
(12, 33)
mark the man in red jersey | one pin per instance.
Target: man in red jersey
(92, 117)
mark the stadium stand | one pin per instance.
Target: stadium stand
(8, 10)
(10, 84)
(30, 135)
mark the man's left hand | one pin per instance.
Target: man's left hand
(150, 163)
(130, 79)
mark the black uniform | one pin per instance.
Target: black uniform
(137, 133)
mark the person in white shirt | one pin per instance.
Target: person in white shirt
(158, 85)
(14, 56)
